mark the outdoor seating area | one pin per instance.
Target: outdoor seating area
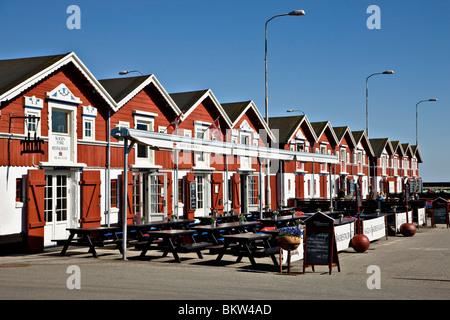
(244, 236)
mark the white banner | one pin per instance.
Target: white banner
(344, 234)
(374, 228)
(421, 216)
(400, 218)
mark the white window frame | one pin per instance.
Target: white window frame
(91, 121)
(149, 160)
(36, 113)
(201, 159)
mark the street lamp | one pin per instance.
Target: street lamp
(292, 110)
(367, 97)
(417, 104)
(128, 71)
(292, 13)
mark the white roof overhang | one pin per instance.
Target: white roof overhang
(171, 142)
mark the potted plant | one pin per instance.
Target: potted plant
(174, 217)
(331, 209)
(232, 211)
(289, 238)
(213, 222)
(378, 212)
(394, 208)
(241, 218)
(292, 212)
(318, 209)
(275, 215)
(341, 216)
(216, 212)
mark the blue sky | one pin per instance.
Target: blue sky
(317, 63)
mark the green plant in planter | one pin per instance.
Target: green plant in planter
(318, 209)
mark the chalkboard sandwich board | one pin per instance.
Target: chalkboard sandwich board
(319, 242)
(440, 212)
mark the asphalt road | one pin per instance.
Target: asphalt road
(406, 268)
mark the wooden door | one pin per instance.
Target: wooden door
(90, 199)
(35, 210)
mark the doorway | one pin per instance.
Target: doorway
(56, 207)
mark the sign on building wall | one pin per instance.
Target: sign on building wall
(60, 148)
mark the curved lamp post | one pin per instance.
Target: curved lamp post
(367, 96)
(295, 110)
(129, 71)
(417, 104)
(292, 13)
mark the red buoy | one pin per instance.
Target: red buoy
(360, 243)
(408, 229)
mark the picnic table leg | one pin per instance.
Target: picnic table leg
(199, 254)
(222, 252)
(91, 246)
(147, 246)
(66, 246)
(272, 256)
(250, 254)
(172, 249)
(240, 254)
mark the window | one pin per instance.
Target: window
(200, 187)
(114, 193)
(60, 121)
(32, 122)
(142, 149)
(245, 139)
(88, 129)
(144, 156)
(253, 189)
(136, 195)
(180, 191)
(19, 184)
(201, 132)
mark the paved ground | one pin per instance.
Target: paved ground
(414, 268)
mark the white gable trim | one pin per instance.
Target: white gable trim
(70, 58)
(150, 79)
(216, 103)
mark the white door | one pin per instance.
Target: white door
(156, 196)
(56, 208)
(203, 196)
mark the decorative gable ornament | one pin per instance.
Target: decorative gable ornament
(245, 126)
(62, 93)
(33, 103)
(89, 111)
(299, 136)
